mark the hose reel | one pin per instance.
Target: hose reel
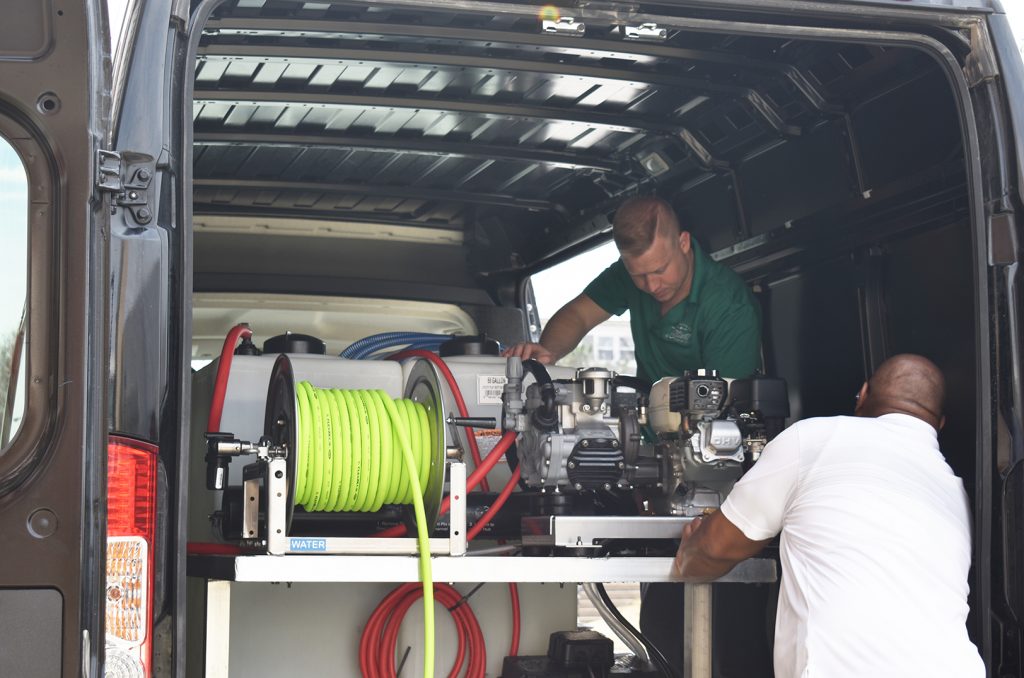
(286, 406)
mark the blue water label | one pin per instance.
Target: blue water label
(306, 544)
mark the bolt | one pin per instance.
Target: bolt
(143, 174)
(607, 486)
(586, 408)
(578, 486)
(572, 464)
(132, 195)
(279, 474)
(615, 444)
(585, 443)
(622, 465)
(144, 215)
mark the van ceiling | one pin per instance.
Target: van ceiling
(523, 140)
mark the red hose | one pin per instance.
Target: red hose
(220, 386)
(201, 548)
(474, 450)
(499, 501)
(379, 641)
(472, 481)
(513, 593)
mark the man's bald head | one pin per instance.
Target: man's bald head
(905, 384)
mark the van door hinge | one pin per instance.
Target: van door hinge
(980, 64)
(128, 182)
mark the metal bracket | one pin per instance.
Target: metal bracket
(129, 182)
(266, 489)
(589, 532)
(565, 25)
(649, 32)
(108, 171)
(1002, 239)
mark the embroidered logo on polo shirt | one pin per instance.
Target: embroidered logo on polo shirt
(679, 334)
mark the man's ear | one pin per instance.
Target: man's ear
(684, 242)
(862, 396)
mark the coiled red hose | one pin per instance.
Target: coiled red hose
(380, 637)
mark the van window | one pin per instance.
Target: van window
(13, 277)
(610, 344)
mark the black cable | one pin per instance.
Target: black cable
(657, 658)
(465, 599)
(401, 664)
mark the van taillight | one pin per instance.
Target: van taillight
(131, 529)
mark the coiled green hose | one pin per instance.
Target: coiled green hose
(359, 450)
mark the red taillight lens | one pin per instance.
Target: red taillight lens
(131, 530)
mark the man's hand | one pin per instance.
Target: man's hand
(526, 350)
(690, 528)
(712, 546)
(563, 332)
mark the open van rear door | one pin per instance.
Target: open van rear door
(54, 104)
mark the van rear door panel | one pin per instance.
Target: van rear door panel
(53, 99)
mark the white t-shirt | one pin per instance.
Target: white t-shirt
(875, 549)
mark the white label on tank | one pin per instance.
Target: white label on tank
(489, 389)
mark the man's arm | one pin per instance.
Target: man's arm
(711, 547)
(563, 332)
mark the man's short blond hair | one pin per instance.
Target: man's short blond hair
(639, 220)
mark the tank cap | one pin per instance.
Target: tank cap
(294, 343)
(469, 344)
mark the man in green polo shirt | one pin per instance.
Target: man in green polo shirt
(686, 310)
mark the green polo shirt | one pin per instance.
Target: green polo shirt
(717, 326)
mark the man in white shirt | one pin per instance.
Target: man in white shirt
(875, 544)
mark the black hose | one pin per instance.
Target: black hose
(546, 417)
(636, 383)
(653, 652)
(539, 372)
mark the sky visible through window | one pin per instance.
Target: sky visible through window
(13, 238)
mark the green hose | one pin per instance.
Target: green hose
(359, 450)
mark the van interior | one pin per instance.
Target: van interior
(364, 167)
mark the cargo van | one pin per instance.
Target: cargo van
(326, 171)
